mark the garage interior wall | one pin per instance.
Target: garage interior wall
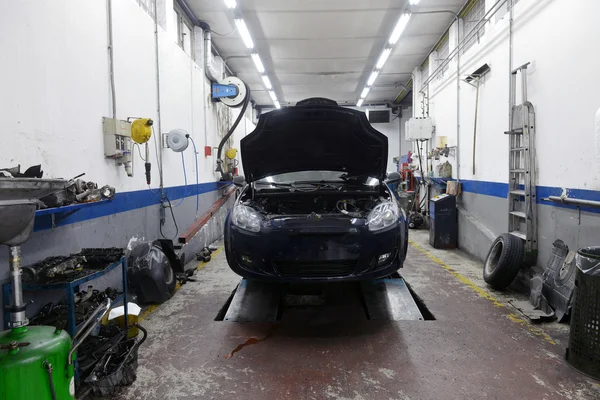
(554, 37)
(56, 89)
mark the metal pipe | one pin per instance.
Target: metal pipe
(17, 316)
(511, 95)
(208, 71)
(83, 333)
(465, 39)
(111, 63)
(158, 114)
(576, 202)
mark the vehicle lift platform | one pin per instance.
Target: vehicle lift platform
(381, 299)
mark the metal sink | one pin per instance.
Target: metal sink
(18, 202)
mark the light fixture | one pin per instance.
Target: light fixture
(258, 63)
(365, 92)
(267, 82)
(372, 78)
(359, 102)
(273, 95)
(414, 2)
(233, 3)
(383, 58)
(400, 26)
(277, 105)
(244, 33)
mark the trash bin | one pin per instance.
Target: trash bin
(583, 352)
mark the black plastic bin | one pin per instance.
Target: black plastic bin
(583, 352)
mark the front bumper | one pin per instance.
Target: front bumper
(301, 249)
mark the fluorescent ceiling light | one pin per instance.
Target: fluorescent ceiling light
(273, 95)
(412, 2)
(383, 58)
(359, 102)
(244, 33)
(365, 92)
(259, 65)
(277, 105)
(267, 82)
(400, 26)
(372, 78)
(233, 3)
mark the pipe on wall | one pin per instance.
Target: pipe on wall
(111, 62)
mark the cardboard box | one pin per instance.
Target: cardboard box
(454, 188)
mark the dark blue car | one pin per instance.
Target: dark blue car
(315, 204)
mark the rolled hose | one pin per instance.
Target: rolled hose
(231, 130)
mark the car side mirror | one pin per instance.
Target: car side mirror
(393, 177)
(239, 180)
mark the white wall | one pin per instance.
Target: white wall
(558, 38)
(55, 88)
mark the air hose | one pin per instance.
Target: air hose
(48, 367)
(230, 132)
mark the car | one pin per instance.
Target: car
(315, 204)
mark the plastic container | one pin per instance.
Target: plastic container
(583, 352)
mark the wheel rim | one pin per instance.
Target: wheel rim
(168, 273)
(492, 261)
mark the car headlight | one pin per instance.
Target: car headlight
(246, 218)
(382, 216)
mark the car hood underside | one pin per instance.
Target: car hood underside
(314, 137)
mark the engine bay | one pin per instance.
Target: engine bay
(342, 200)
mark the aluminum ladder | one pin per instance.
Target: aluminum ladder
(522, 216)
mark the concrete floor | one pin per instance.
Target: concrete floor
(477, 348)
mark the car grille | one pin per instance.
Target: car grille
(316, 269)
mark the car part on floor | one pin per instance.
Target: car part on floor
(583, 352)
(559, 280)
(204, 255)
(443, 222)
(503, 261)
(415, 220)
(118, 366)
(152, 268)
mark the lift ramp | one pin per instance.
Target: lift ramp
(381, 299)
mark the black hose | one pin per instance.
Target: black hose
(50, 380)
(231, 130)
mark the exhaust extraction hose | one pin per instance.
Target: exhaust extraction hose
(231, 130)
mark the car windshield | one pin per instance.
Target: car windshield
(317, 176)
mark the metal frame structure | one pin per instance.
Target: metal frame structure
(70, 289)
(522, 216)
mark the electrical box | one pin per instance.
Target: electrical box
(420, 128)
(117, 137)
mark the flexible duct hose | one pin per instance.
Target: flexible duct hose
(231, 130)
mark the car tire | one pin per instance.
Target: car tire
(503, 261)
(170, 278)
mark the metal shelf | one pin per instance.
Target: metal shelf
(57, 214)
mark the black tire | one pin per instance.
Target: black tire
(503, 261)
(170, 278)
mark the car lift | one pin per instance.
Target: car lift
(383, 299)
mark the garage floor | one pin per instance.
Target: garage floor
(477, 348)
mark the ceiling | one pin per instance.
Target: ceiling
(324, 48)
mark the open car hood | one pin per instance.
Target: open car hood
(314, 135)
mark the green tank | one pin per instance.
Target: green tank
(33, 364)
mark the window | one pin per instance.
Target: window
(184, 32)
(443, 51)
(474, 12)
(424, 73)
(148, 6)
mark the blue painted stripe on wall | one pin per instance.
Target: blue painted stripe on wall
(125, 201)
(499, 189)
